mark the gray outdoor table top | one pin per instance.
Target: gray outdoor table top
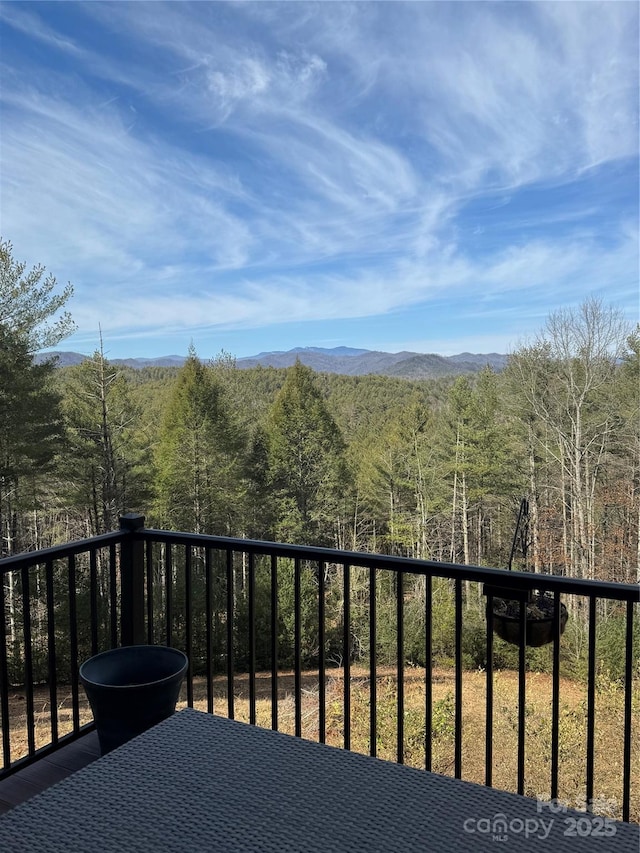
(197, 782)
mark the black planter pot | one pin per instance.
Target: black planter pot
(539, 625)
(131, 689)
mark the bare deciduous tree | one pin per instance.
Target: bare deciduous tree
(566, 379)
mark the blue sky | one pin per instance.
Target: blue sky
(435, 177)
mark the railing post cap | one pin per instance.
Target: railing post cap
(131, 521)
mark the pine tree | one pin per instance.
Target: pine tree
(106, 464)
(307, 462)
(27, 303)
(482, 465)
(30, 422)
(30, 434)
(200, 487)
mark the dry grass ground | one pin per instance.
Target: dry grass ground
(608, 730)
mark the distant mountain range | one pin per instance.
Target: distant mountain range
(359, 362)
(345, 360)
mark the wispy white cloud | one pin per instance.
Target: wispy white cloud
(227, 166)
(18, 17)
(99, 188)
(513, 285)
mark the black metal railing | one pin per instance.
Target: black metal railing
(222, 601)
(43, 640)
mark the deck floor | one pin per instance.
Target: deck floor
(47, 771)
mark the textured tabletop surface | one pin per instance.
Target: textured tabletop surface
(202, 783)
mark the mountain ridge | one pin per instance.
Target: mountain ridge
(348, 361)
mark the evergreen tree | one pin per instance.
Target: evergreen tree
(30, 434)
(106, 464)
(200, 487)
(398, 479)
(307, 462)
(481, 460)
(30, 424)
(27, 303)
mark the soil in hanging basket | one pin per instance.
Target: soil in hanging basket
(540, 610)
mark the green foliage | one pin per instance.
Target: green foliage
(31, 433)
(198, 457)
(27, 303)
(30, 420)
(442, 622)
(610, 647)
(443, 717)
(482, 467)
(611, 643)
(107, 457)
(309, 637)
(307, 470)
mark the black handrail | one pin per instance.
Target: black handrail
(429, 568)
(61, 552)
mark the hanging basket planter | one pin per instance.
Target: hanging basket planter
(508, 599)
(540, 612)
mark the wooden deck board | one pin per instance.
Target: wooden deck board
(47, 771)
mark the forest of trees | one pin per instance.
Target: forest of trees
(428, 469)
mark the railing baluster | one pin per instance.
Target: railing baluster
(132, 586)
(28, 659)
(150, 588)
(208, 592)
(555, 698)
(457, 760)
(230, 636)
(274, 642)
(252, 639)
(51, 652)
(373, 676)
(73, 642)
(522, 684)
(628, 686)
(346, 654)
(188, 615)
(322, 698)
(488, 737)
(591, 702)
(428, 672)
(297, 660)
(4, 679)
(113, 595)
(400, 664)
(93, 599)
(168, 591)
